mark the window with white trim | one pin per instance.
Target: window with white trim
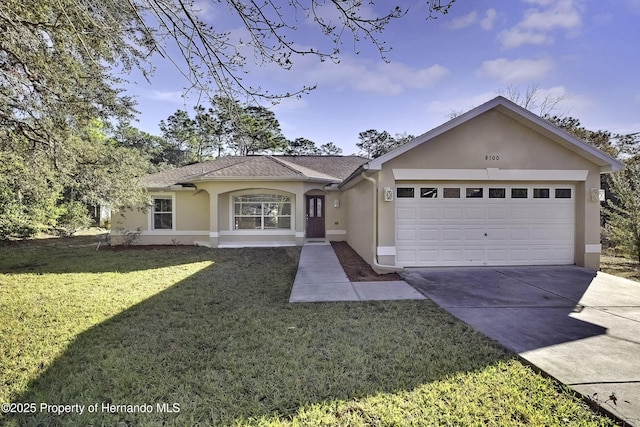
(261, 212)
(162, 213)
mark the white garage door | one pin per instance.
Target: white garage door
(484, 224)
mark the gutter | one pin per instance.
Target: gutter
(375, 227)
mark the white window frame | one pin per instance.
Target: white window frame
(167, 196)
(257, 192)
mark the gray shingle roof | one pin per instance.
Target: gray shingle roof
(306, 168)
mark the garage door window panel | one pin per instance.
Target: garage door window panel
(519, 193)
(451, 193)
(563, 193)
(540, 193)
(497, 193)
(428, 193)
(474, 193)
(405, 192)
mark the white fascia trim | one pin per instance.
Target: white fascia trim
(386, 251)
(275, 232)
(505, 106)
(489, 174)
(336, 232)
(594, 248)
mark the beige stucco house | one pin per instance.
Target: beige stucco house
(497, 185)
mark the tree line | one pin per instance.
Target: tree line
(225, 128)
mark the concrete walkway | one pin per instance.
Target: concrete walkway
(321, 278)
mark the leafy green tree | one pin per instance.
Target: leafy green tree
(60, 70)
(301, 147)
(28, 195)
(374, 144)
(623, 225)
(188, 140)
(600, 139)
(330, 149)
(37, 194)
(256, 132)
(148, 145)
(208, 134)
(179, 132)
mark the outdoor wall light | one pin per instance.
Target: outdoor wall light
(597, 195)
(388, 194)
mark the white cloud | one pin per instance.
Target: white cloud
(204, 9)
(539, 21)
(562, 14)
(540, 2)
(463, 21)
(381, 78)
(515, 37)
(516, 70)
(167, 96)
(489, 18)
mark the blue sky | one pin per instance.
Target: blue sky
(588, 50)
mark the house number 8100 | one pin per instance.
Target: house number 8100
(488, 157)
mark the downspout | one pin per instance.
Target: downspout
(375, 227)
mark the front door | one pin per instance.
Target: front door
(315, 216)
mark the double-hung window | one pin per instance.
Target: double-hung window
(162, 213)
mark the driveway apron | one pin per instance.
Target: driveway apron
(580, 327)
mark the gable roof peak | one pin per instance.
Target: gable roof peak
(523, 116)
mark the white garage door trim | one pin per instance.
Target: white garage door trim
(488, 224)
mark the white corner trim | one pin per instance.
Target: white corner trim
(300, 234)
(336, 232)
(386, 251)
(592, 248)
(214, 234)
(490, 174)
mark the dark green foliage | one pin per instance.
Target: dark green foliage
(623, 225)
(374, 144)
(72, 217)
(56, 88)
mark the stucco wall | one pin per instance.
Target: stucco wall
(508, 145)
(359, 200)
(191, 221)
(192, 210)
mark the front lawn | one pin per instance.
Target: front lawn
(620, 266)
(188, 336)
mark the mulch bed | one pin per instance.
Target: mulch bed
(357, 268)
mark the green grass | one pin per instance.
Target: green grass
(212, 331)
(620, 266)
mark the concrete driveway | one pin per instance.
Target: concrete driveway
(580, 327)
